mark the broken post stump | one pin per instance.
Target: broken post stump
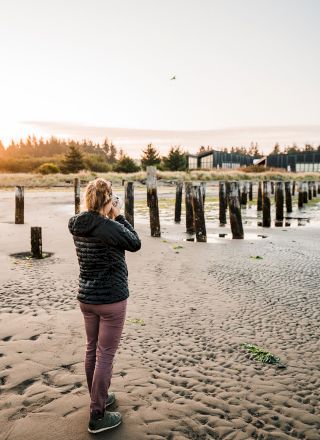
(279, 203)
(305, 192)
(76, 195)
(152, 197)
(36, 242)
(244, 194)
(288, 197)
(190, 229)
(310, 190)
(234, 210)
(266, 205)
(272, 187)
(203, 191)
(129, 202)
(222, 203)
(314, 189)
(259, 197)
(19, 209)
(250, 191)
(177, 209)
(198, 213)
(300, 195)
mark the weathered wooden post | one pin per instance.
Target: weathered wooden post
(222, 203)
(198, 213)
(288, 197)
(318, 188)
(129, 202)
(76, 195)
(177, 210)
(300, 195)
(36, 242)
(259, 197)
(310, 190)
(293, 187)
(314, 189)
(234, 210)
(272, 187)
(266, 205)
(279, 204)
(305, 192)
(19, 210)
(153, 201)
(123, 182)
(190, 229)
(203, 191)
(250, 191)
(244, 194)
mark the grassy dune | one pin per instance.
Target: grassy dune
(8, 180)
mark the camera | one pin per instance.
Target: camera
(117, 201)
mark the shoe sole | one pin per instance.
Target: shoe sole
(103, 429)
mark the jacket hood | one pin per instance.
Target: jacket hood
(85, 222)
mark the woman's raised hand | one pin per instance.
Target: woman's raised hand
(114, 212)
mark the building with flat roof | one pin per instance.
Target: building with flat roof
(218, 159)
(300, 161)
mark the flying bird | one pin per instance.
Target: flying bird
(173, 78)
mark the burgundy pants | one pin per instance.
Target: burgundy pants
(104, 324)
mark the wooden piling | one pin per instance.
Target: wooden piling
(310, 190)
(314, 189)
(318, 188)
(222, 203)
(234, 210)
(305, 192)
(293, 187)
(279, 203)
(203, 192)
(300, 195)
(177, 210)
(266, 205)
(288, 197)
(244, 194)
(259, 197)
(272, 187)
(129, 202)
(76, 195)
(198, 213)
(190, 228)
(152, 196)
(250, 191)
(36, 242)
(19, 209)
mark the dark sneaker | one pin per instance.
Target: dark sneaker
(111, 399)
(109, 420)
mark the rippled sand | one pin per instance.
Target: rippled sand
(182, 375)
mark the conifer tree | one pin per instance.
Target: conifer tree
(150, 157)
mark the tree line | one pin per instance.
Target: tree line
(59, 155)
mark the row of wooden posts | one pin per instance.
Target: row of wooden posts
(232, 195)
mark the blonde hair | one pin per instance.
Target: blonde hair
(97, 194)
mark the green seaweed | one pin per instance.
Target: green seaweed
(137, 321)
(262, 355)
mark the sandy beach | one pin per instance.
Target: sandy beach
(180, 371)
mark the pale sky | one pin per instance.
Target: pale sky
(108, 63)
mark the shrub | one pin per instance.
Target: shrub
(126, 165)
(255, 169)
(48, 168)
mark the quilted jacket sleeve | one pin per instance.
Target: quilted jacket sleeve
(119, 233)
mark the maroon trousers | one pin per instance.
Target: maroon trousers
(104, 324)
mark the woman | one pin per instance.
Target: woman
(101, 236)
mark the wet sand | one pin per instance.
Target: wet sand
(183, 374)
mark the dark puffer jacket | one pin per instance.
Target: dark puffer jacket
(100, 245)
